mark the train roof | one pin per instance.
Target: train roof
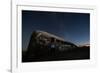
(48, 35)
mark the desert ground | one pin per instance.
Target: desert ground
(79, 53)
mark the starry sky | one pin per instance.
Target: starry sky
(73, 27)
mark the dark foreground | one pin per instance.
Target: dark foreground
(80, 53)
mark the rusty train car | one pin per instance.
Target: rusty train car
(44, 45)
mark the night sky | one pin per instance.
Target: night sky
(73, 27)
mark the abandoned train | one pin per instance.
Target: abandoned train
(44, 45)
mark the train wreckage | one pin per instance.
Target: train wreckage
(44, 45)
(41, 39)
